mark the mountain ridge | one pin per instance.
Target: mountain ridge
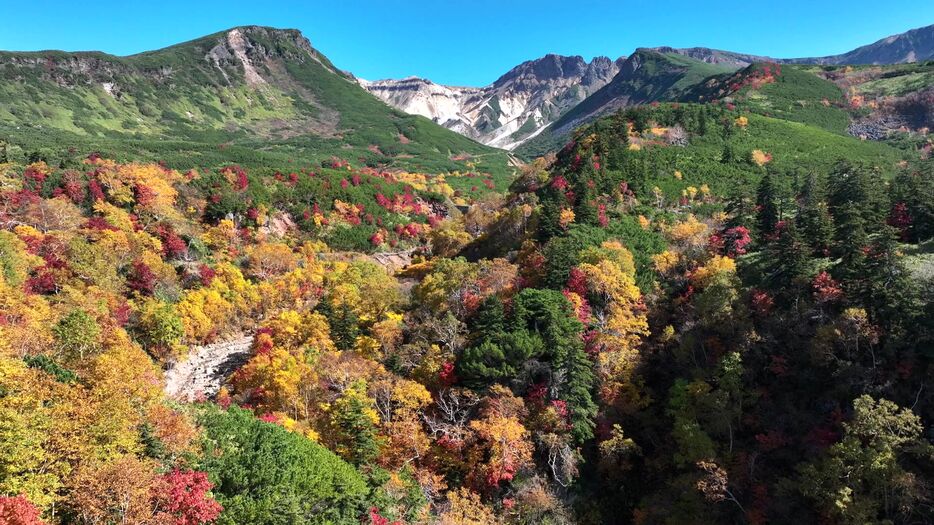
(914, 45)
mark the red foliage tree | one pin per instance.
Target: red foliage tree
(43, 282)
(206, 273)
(143, 194)
(577, 282)
(377, 519)
(730, 242)
(96, 191)
(184, 496)
(173, 246)
(141, 278)
(17, 510)
(900, 219)
(826, 289)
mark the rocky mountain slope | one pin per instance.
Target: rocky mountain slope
(916, 45)
(267, 89)
(511, 110)
(645, 77)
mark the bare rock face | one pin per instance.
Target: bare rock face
(206, 369)
(511, 110)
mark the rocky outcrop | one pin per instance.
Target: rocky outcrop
(206, 369)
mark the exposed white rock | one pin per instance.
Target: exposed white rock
(238, 44)
(206, 369)
(515, 108)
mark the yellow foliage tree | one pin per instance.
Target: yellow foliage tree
(717, 265)
(689, 232)
(466, 508)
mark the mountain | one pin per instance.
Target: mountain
(511, 110)
(916, 45)
(713, 56)
(265, 90)
(648, 75)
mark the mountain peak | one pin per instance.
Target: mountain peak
(548, 67)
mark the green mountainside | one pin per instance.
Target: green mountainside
(260, 94)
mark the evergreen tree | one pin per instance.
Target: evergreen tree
(679, 116)
(586, 209)
(787, 260)
(550, 214)
(813, 219)
(882, 284)
(498, 361)
(576, 392)
(740, 209)
(912, 194)
(549, 314)
(853, 187)
(640, 119)
(636, 173)
(585, 181)
(727, 127)
(489, 323)
(767, 215)
(617, 151)
(727, 156)
(354, 422)
(266, 474)
(343, 323)
(850, 239)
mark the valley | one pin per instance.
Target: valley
(240, 285)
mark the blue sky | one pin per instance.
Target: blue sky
(467, 42)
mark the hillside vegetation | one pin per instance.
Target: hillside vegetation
(716, 309)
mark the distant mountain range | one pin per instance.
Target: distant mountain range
(563, 92)
(269, 92)
(916, 45)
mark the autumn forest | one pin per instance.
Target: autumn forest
(709, 307)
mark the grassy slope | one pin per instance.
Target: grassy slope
(796, 95)
(880, 81)
(799, 96)
(797, 149)
(794, 146)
